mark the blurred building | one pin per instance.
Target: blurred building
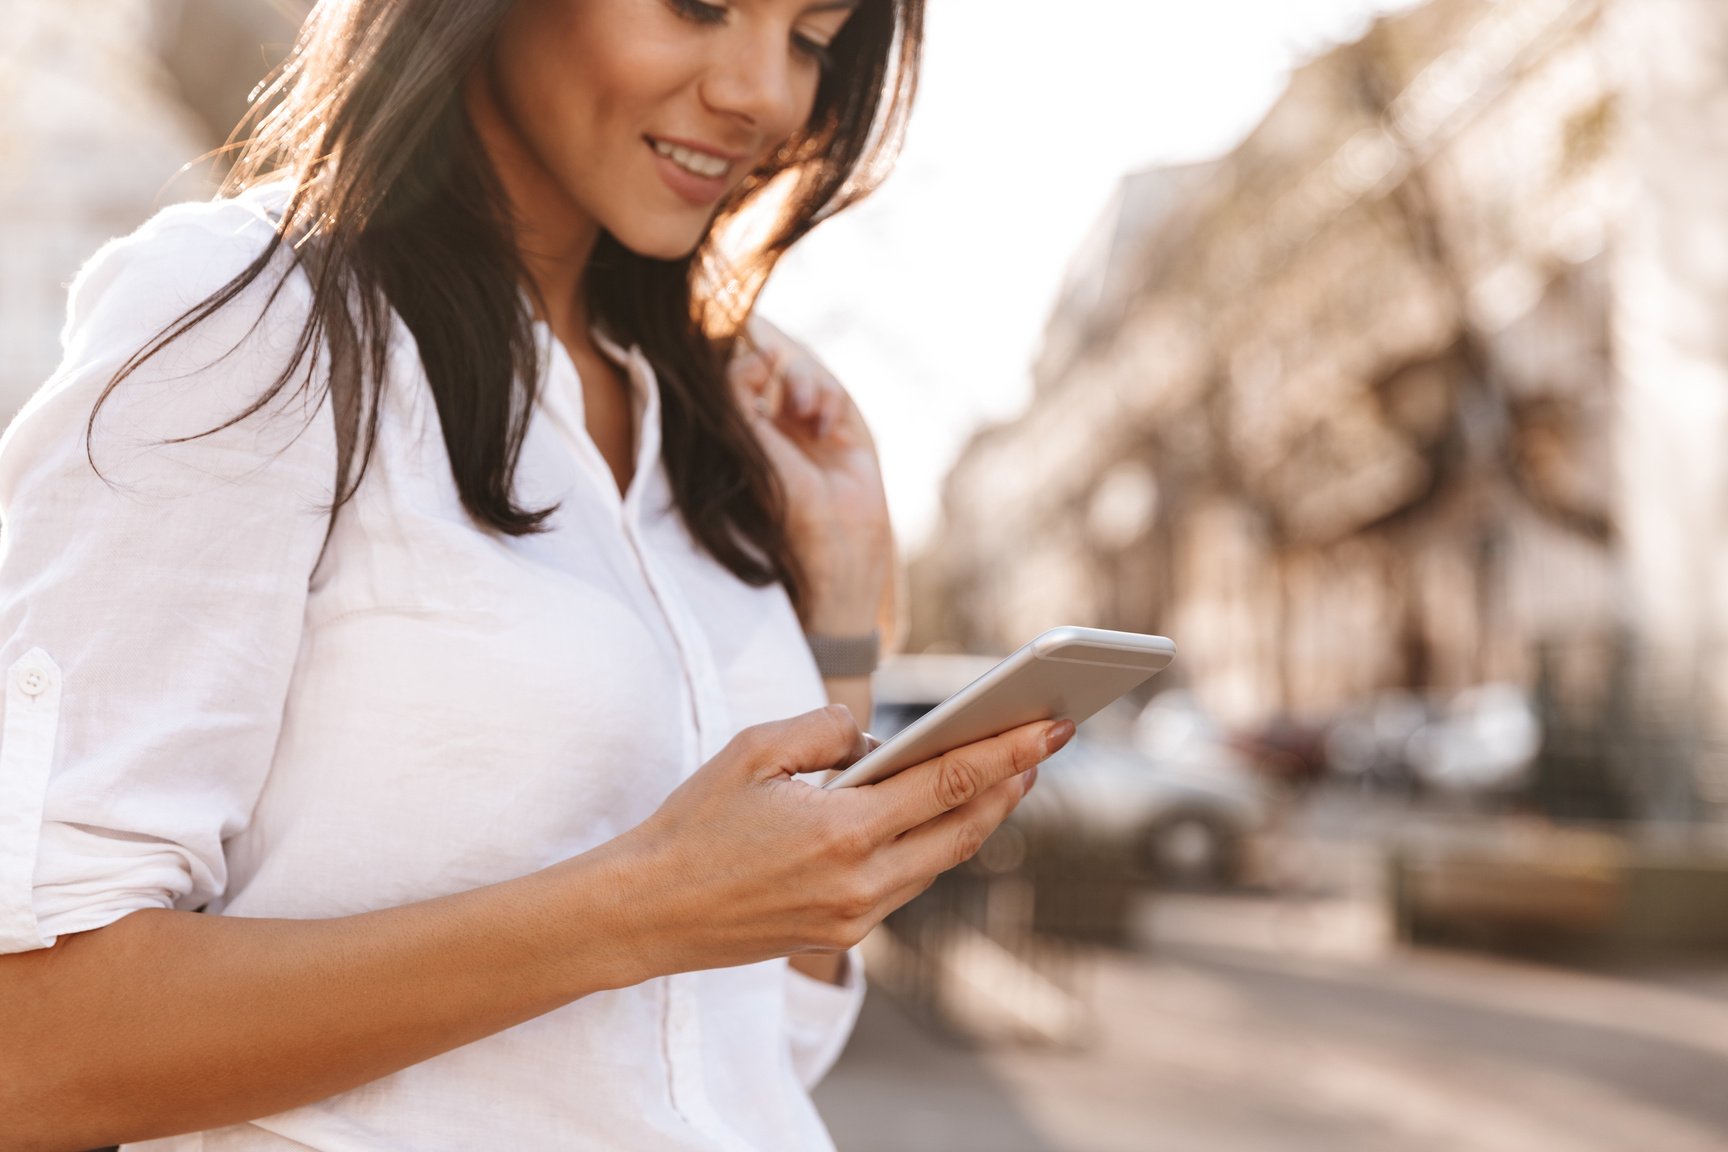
(1341, 411)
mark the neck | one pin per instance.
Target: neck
(554, 236)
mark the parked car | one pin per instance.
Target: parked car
(1158, 791)
(1481, 740)
(1368, 743)
(1484, 739)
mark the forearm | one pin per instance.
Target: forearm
(167, 1022)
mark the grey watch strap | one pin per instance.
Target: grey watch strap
(842, 656)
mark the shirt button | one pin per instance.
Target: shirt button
(33, 681)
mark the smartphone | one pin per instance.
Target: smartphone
(1065, 673)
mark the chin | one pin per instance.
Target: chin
(664, 242)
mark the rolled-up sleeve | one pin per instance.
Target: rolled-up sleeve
(820, 1016)
(151, 607)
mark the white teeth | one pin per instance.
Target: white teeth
(697, 163)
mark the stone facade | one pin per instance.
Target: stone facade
(1339, 412)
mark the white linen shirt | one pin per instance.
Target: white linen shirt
(205, 705)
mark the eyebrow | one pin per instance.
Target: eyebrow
(834, 6)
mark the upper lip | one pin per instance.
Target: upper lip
(705, 149)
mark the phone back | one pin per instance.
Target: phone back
(1065, 673)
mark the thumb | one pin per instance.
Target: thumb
(817, 741)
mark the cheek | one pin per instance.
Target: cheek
(564, 70)
(534, 36)
(586, 106)
(528, 81)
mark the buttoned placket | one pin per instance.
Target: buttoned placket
(683, 1021)
(704, 717)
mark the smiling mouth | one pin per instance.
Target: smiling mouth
(704, 165)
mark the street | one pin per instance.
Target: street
(1246, 1022)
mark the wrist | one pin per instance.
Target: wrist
(840, 621)
(614, 896)
(843, 587)
(844, 607)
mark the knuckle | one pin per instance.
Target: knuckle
(850, 933)
(968, 838)
(849, 842)
(751, 743)
(855, 901)
(957, 780)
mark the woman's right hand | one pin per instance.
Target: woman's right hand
(744, 863)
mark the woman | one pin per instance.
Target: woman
(393, 567)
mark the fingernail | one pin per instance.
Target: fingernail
(1027, 779)
(1057, 736)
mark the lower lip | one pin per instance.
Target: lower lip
(700, 191)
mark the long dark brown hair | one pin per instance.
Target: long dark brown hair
(394, 205)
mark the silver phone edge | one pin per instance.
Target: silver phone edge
(1040, 647)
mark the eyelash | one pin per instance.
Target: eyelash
(702, 12)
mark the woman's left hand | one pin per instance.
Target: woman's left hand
(836, 509)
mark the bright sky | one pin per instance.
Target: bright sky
(929, 300)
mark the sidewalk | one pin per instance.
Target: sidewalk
(1229, 1033)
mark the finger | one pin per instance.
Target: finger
(771, 398)
(783, 454)
(755, 375)
(749, 369)
(758, 382)
(817, 741)
(954, 837)
(803, 392)
(832, 408)
(925, 791)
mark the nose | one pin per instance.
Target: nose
(752, 80)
